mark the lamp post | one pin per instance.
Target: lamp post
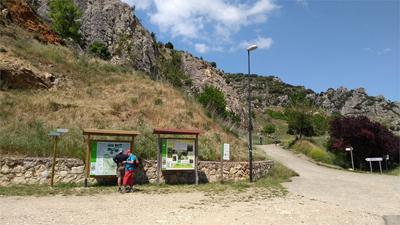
(249, 49)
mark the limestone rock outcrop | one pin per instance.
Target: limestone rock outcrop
(103, 20)
(203, 74)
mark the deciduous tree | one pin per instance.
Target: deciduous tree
(368, 139)
(299, 115)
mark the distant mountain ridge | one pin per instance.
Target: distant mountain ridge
(271, 92)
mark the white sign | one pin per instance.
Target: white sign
(349, 149)
(225, 151)
(61, 130)
(53, 133)
(373, 159)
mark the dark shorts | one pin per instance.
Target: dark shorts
(120, 171)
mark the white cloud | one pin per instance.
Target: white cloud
(368, 49)
(201, 48)
(303, 3)
(191, 18)
(257, 30)
(386, 50)
(262, 43)
(139, 4)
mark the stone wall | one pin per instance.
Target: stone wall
(22, 171)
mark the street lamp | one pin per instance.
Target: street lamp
(249, 49)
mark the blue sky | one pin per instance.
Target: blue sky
(316, 44)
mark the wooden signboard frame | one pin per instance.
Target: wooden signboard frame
(95, 132)
(159, 132)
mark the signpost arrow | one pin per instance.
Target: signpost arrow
(53, 134)
(61, 130)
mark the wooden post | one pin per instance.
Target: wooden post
(196, 162)
(88, 159)
(222, 167)
(54, 161)
(133, 144)
(158, 160)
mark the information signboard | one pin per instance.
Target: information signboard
(225, 151)
(102, 163)
(178, 154)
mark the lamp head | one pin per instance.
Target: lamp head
(251, 48)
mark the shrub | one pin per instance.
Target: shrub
(158, 102)
(269, 129)
(213, 64)
(4, 4)
(153, 36)
(231, 115)
(100, 50)
(275, 115)
(36, 36)
(110, 68)
(134, 101)
(171, 68)
(213, 97)
(227, 80)
(317, 154)
(169, 45)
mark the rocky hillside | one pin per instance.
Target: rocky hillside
(104, 20)
(272, 92)
(108, 21)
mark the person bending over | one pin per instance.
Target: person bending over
(118, 159)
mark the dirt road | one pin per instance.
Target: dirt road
(373, 193)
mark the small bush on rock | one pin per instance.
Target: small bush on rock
(100, 50)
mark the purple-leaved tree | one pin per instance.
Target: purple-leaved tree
(368, 139)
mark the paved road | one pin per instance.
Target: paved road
(373, 193)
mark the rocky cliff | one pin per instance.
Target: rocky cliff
(202, 74)
(105, 21)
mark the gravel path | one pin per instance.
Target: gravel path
(182, 208)
(374, 193)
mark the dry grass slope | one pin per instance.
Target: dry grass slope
(100, 95)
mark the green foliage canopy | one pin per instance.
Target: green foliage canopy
(64, 14)
(269, 129)
(171, 69)
(169, 45)
(100, 50)
(274, 115)
(213, 97)
(299, 115)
